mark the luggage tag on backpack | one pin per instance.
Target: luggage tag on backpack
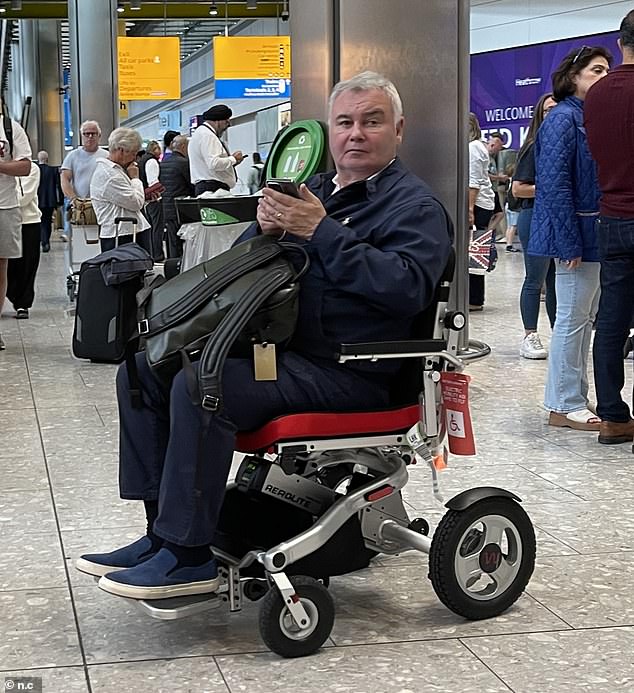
(264, 362)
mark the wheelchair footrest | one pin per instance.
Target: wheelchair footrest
(179, 607)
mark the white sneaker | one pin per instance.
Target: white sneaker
(532, 347)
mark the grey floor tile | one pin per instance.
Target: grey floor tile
(31, 561)
(80, 443)
(402, 668)
(62, 680)
(23, 473)
(73, 469)
(588, 526)
(590, 480)
(586, 591)
(37, 629)
(593, 661)
(114, 629)
(26, 511)
(398, 603)
(95, 507)
(187, 675)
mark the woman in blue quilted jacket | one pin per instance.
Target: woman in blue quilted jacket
(563, 227)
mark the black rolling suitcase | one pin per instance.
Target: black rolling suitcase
(105, 317)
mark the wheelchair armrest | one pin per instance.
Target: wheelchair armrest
(405, 348)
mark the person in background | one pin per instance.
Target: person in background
(168, 138)
(255, 173)
(174, 175)
(511, 216)
(539, 270)
(14, 162)
(49, 198)
(211, 165)
(22, 271)
(149, 175)
(481, 201)
(563, 227)
(79, 165)
(117, 191)
(498, 178)
(611, 102)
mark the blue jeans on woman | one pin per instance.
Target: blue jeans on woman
(616, 251)
(577, 302)
(538, 270)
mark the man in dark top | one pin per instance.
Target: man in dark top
(49, 197)
(174, 175)
(168, 138)
(611, 101)
(378, 241)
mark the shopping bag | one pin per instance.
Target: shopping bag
(482, 251)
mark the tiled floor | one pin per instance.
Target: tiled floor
(573, 630)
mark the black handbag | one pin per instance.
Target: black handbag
(247, 295)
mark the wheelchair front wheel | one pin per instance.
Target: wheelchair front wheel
(278, 628)
(482, 558)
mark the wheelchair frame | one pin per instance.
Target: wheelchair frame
(297, 613)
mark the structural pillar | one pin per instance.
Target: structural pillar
(423, 47)
(47, 105)
(93, 50)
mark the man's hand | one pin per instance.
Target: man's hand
(133, 170)
(471, 217)
(277, 212)
(238, 156)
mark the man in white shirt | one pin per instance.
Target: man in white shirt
(79, 165)
(15, 155)
(211, 165)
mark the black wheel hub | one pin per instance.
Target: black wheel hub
(490, 558)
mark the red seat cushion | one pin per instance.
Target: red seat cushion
(327, 425)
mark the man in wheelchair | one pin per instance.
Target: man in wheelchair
(378, 241)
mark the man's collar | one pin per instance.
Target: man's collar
(338, 187)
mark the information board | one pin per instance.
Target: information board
(252, 66)
(148, 67)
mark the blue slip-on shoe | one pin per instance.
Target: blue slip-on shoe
(161, 577)
(129, 556)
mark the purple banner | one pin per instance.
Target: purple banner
(506, 84)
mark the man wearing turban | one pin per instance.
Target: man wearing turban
(210, 163)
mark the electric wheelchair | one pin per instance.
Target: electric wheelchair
(319, 494)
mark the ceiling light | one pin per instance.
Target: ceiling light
(252, 4)
(213, 10)
(135, 4)
(16, 5)
(120, 7)
(3, 8)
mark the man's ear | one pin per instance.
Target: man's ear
(399, 130)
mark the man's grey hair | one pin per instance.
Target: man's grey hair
(42, 157)
(90, 122)
(179, 144)
(366, 81)
(125, 138)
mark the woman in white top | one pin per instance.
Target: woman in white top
(117, 191)
(22, 271)
(481, 201)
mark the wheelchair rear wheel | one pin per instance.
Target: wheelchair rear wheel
(482, 558)
(278, 628)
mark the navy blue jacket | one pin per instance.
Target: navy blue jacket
(566, 187)
(376, 259)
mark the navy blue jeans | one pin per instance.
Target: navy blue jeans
(539, 270)
(616, 305)
(174, 451)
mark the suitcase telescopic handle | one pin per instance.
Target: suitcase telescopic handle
(120, 220)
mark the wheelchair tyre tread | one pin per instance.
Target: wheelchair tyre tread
(445, 545)
(313, 594)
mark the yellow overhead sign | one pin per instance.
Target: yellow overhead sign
(149, 67)
(252, 57)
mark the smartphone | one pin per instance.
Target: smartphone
(283, 185)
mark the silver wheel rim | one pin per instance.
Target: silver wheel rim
(489, 530)
(291, 630)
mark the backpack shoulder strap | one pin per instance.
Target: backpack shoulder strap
(8, 127)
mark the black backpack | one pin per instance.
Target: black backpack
(8, 127)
